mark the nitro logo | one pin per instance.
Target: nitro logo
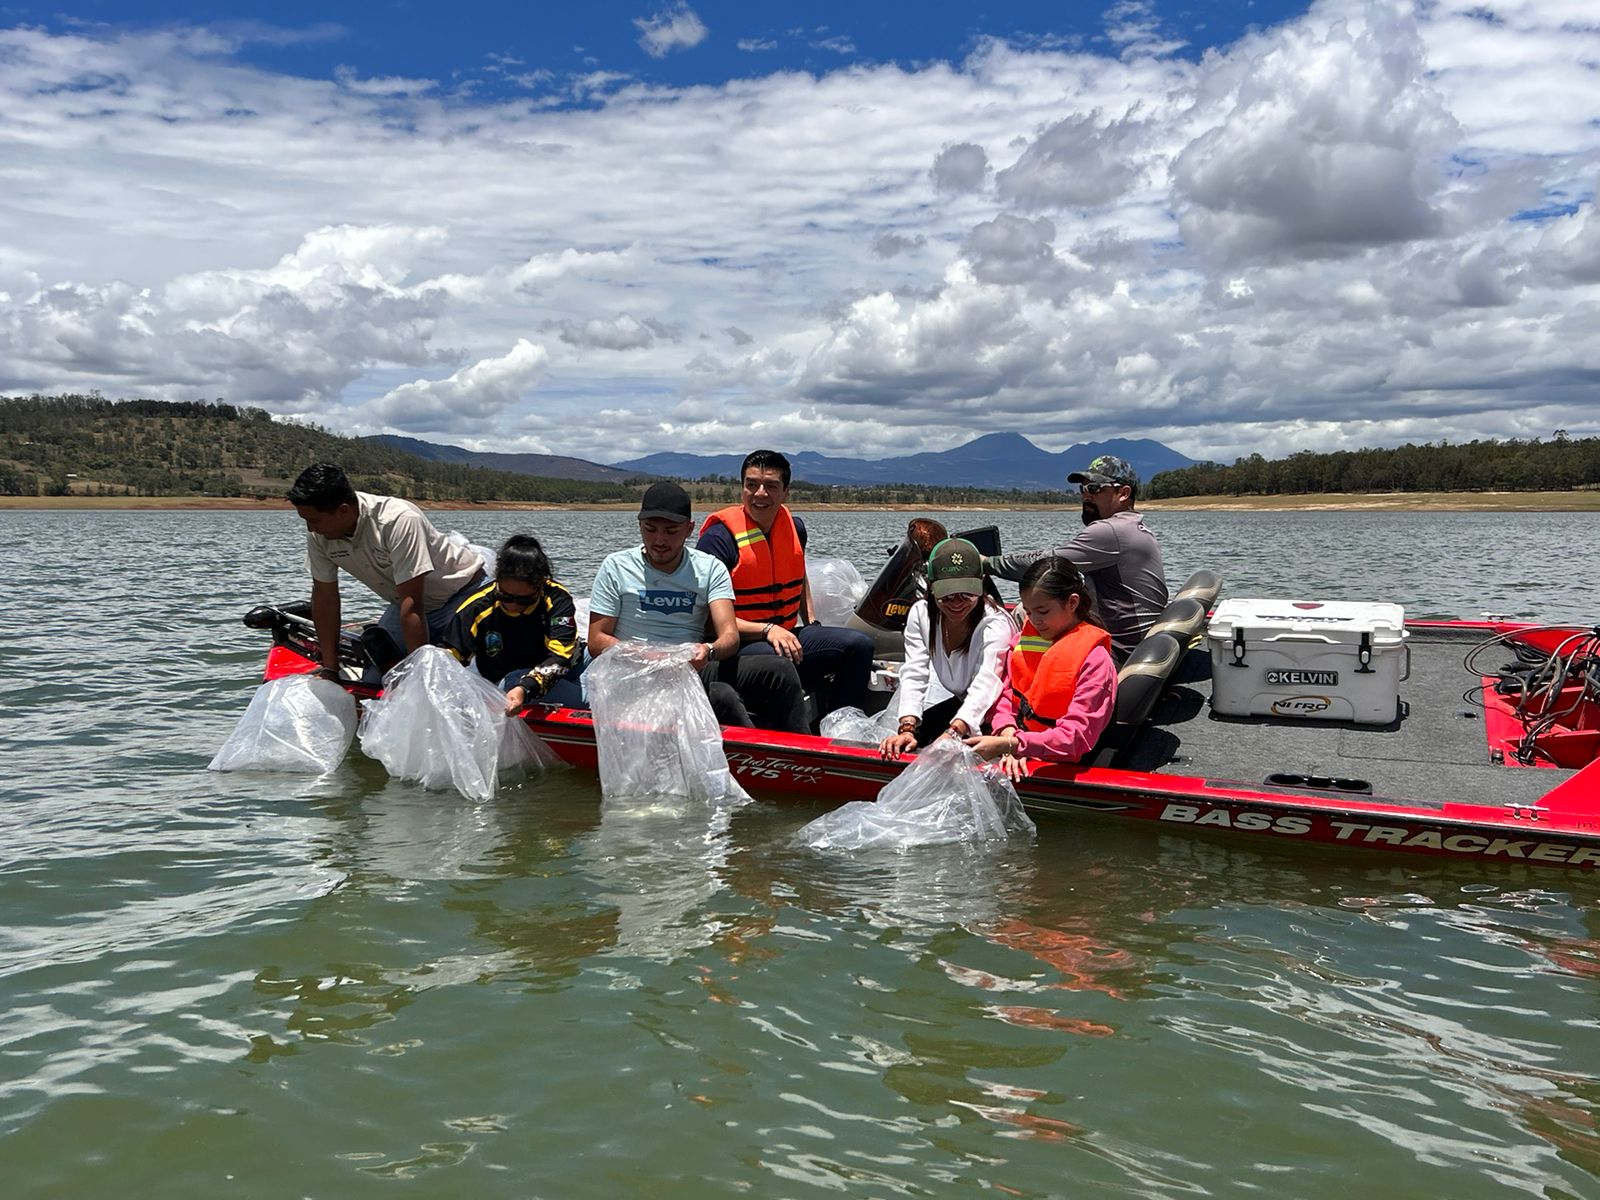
(1301, 706)
(664, 601)
(1282, 678)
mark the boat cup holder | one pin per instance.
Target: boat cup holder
(1318, 783)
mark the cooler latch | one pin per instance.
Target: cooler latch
(1364, 654)
(1238, 646)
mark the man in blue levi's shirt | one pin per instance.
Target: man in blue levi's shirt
(664, 591)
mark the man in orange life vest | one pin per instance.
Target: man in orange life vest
(763, 546)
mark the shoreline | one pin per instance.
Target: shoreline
(1575, 501)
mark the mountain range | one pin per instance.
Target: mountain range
(1002, 461)
(996, 460)
(549, 466)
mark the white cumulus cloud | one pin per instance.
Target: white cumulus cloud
(676, 28)
(1328, 140)
(472, 399)
(1368, 223)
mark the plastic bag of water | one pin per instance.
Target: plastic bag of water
(300, 723)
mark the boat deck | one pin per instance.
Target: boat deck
(1436, 753)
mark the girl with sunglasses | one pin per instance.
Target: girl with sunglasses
(522, 630)
(1060, 685)
(959, 638)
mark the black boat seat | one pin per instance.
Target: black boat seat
(1204, 586)
(1184, 618)
(1140, 683)
(1144, 676)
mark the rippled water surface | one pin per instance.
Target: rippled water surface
(267, 986)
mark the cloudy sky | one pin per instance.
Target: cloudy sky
(866, 229)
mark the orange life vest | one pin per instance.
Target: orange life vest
(770, 577)
(1044, 674)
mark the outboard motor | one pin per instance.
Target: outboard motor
(882, 612)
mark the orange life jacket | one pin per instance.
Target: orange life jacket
(770, 577)
(1044, 674)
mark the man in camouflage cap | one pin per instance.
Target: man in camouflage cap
(1116, 553)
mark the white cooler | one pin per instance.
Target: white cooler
(1317, 660)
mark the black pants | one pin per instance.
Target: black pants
(937, 719)
(834, 667)
(756, 692)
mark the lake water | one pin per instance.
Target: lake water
(267, 987)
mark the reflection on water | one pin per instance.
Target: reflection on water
(659, 865)
(407, 833)
(276, 986)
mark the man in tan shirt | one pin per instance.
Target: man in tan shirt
(387, 544)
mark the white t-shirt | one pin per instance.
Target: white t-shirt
(655, 606)
(974, 673)
(394, 542)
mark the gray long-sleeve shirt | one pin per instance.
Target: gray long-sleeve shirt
(1122, 562)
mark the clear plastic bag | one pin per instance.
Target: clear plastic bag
(300, 723)
(654, 729)
(461, 542)
(836, 588)
(946, 796)
(853, 725)
(443, 725)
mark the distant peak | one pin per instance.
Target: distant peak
(1000, 441)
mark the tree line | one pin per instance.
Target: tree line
(89, 445)
(1560, 464)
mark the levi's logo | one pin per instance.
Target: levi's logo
(664, 600)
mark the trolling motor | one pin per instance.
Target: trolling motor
(292, 628)
(881, 613)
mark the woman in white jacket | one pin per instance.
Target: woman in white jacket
(959, 638)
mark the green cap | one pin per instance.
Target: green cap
(955, 566)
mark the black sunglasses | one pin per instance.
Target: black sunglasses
(506, 597)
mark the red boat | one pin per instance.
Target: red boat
(1500, 761)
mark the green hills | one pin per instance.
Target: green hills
(88, 445)
(91, 446)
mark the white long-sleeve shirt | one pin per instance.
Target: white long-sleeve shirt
(973, 673)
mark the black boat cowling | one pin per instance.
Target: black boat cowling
(882, 611)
